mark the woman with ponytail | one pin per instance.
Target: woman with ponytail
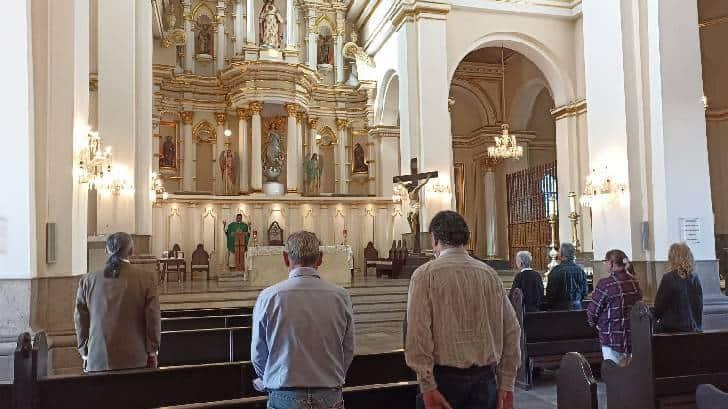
(679, 299)
(612, 302)
(117, 312)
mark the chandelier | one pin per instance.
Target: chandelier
(94, 164)
(506, 145)
(600, 185)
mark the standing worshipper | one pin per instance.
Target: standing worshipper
(117, 319)
(238, 226)
(679, 299)
(566, 286)
(303, 333)
(462, 332)
(612, 302)
(529, 281)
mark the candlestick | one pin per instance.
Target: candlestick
(552, 208)
(572, 202)
(553, 253)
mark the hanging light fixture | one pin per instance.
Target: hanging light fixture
(94, 164)
(506, 145)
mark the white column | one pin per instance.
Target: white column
(243, 150)
(342, 157)
(387, 158)
(190, 44)
(381, 236)
(144, 148)
(300, 152)
(290, 25)
(424, 86)
(220, 118)
(188, 160)
(373, 148)
(239, 27)
(325, 232)
(491, 244)
(256, 165)
(339, 47)
(156, 137)
(117, 109)
(568, 159)
(312, 39)
(220, 45)
(251, 37)
(293, 160)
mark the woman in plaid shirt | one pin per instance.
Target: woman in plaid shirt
(612, 301)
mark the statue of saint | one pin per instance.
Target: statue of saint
(360, 165)
(314, 165)
(325, 43)
(226, 162)
(271, 23)
(169, 154)
(233, 230)
(203, 39)
(274, 158)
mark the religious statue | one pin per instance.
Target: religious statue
(411, 183)
(325, 45)
(313, 166)
(203, 37)
(237, 234)
(170, 11)
(360, 165)
(274, 159)
(271, 24)
(226, 161)
(168, 157)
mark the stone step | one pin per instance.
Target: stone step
(379, 308)
(378, 299)
(390, 316)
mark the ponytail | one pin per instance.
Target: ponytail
(119, 246)
(620, 259)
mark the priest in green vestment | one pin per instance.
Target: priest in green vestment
(237, 226)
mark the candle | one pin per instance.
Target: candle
(552, 205)
(572, 202)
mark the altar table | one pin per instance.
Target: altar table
(265, 264)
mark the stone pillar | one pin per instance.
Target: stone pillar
(339, 47)
(243, 150)
(190, 43)
(293, 159)
(312, 145)
(220, 118)
(312, 39)
(373, 149)
(568, 176)
(239, 27)
(290, 25)
(251, 37)
(188, 157)
(386, 140)
(342, 157)
(220, 45)
(491, 211)
(326, 228)
(423, 100)
(300, 149)
(256, 164)
(144, 148)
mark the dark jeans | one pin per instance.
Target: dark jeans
(306, 398)
(470, 388)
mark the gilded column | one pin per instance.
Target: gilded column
(220, 45)
(220, 118)
(342, 157)
(256, 165)
(339, 47)
(293, 163)
(243, 155)
(312, 38)
(187, 150)
(491, 243)
(300, 149)
(190, 43)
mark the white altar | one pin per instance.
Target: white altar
(265, 264)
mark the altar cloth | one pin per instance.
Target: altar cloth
(266, 267)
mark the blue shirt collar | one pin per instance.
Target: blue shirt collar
(304, 272)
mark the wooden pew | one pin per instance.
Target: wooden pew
(399, 395)
(576, 387)
(547, 335)
(206, 312)
(666, 369)
(213, 321)
(204, 346)
(149, 388)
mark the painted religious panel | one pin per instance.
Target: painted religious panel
(168, 148)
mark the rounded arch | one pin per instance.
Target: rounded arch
(487, 112)
(521, 108)
(559, 83)
(388, 111)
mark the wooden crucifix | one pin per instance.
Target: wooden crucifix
(412, 183)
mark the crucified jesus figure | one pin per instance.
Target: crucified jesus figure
(412, 183)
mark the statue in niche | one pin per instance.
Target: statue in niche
(271, 24)
(226, 162)
(168, 157)
(314, 166)
(325, 49)
(170, 11)
(273, 160)
(204, 35)
(360, 165)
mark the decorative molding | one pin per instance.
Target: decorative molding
(342, 124)
(469, 70)
(186, 117)
(717, 115)
(242, 113)
(300, 116)
(410, 12)
(713, 21)
(256, 107)
(312, 122)
(204, 126)
(220, 117)
(574, 109)
(292, 109)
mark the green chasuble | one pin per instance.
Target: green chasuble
(233, 228)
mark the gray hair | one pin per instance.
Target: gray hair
(567, 251)
(302, 248)
(524, 259)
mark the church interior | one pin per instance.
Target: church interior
(210, 130)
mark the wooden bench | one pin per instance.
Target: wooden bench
(214, 321)
(576, 387)
(204, 346)
(206, 312)
(150, 388)
(666, 369)
(547, 335)
(399, 395)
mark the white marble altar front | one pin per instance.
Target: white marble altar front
(265, 265)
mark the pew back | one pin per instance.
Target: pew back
(206, 312)
(201, 346)
(214, 321)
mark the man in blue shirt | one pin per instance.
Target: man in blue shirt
(303, 333)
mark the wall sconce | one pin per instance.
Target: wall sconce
(600, 185)
(116, 183)
(157, 191)
(228, 133)
(94, 163)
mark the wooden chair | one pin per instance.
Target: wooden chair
(175, 265)
(200, 262)
(371, 257)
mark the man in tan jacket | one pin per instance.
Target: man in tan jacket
(117, 319)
